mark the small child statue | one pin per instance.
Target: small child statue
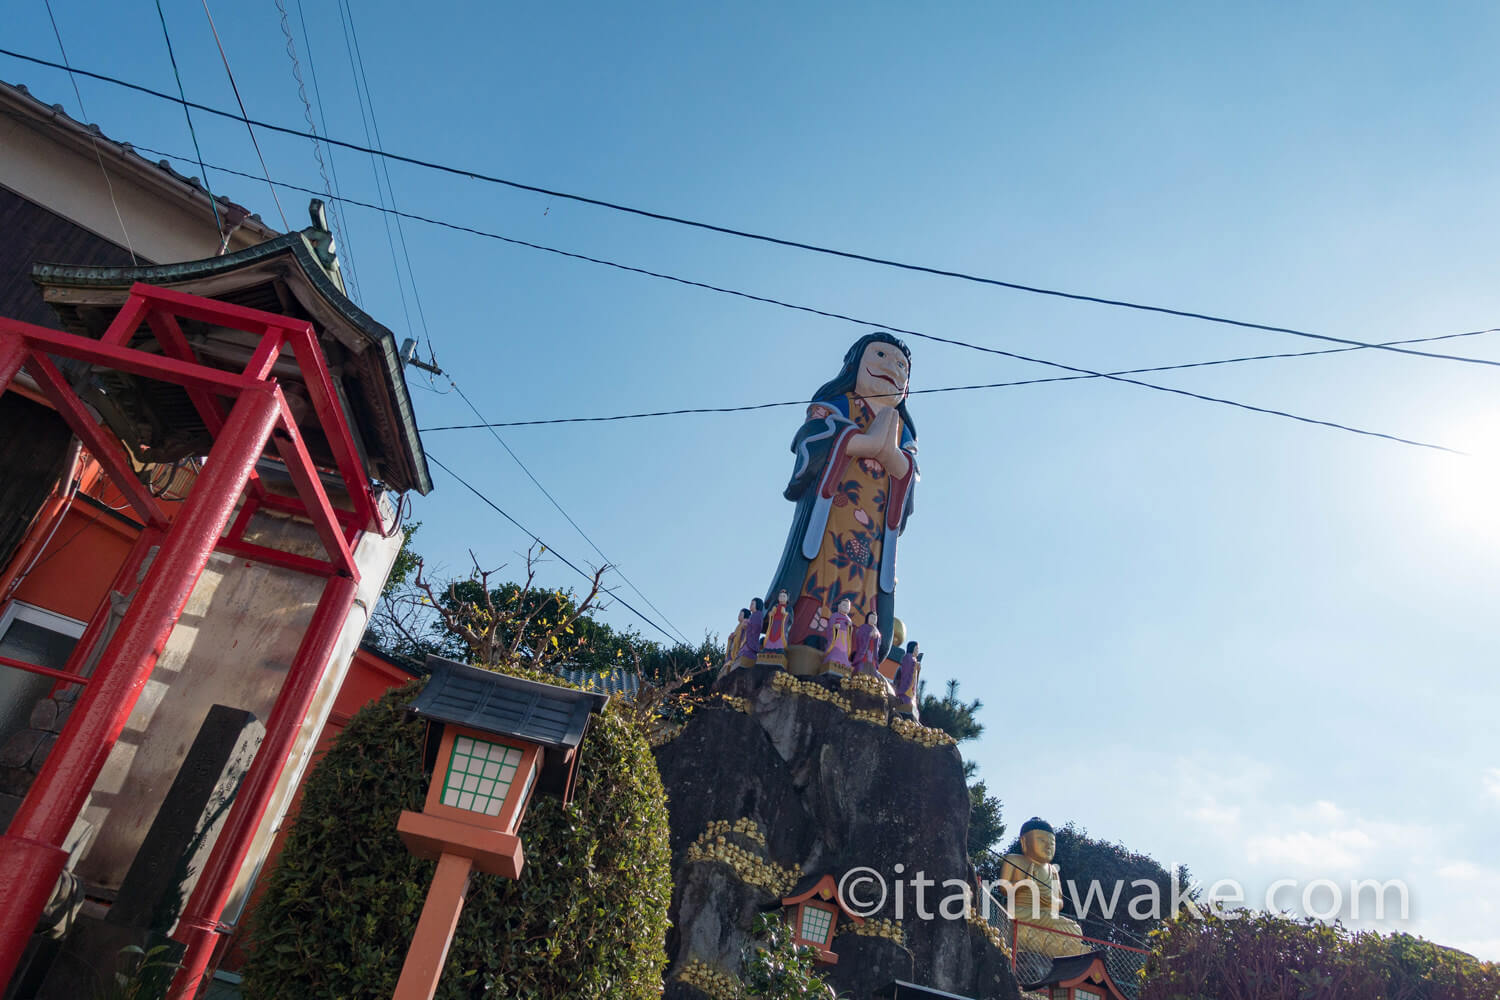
(736, 640)
(840, 640)
(867, 645)
(906, 681)
(750, 644)
(778, 627)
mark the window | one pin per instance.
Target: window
(31, 635)
(38, 636)
(479, 775)
(816, 923)
(1079, 993)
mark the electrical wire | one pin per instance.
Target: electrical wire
(568, 517)
(943, 389)
(411, 274)
(312, 67)
(1080, 373)
(478, 175)
(285, 225)
(213, 202)
(83, 116)
(335, 216)
(528, 533)
(364, 122)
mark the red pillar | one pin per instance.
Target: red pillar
(429, 945)
(30, 856)
(198, 927)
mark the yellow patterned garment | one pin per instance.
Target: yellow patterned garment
(848, 561)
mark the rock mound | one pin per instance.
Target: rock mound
(786, 780)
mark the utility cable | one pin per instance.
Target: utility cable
(1081, 373)
(411, 274)
(364, 122)
(949, 388)
(285, 225)
(568, 517)
(213, 202)
(528, 533)
(335, 216)
(83, 117)
(312, 67)
(478, 175)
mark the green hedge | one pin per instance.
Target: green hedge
(587, 918)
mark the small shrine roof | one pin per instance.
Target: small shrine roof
(288, 275)
(548, 714)
(1073, 969)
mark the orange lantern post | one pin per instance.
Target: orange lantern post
(493, 741)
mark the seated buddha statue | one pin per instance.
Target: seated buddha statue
(1033, 888)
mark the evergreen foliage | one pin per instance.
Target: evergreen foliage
(1244, 955)
(778, 968)
(587, 918)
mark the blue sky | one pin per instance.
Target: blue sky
(1253, 646)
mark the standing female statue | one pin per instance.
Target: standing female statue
(852, 482)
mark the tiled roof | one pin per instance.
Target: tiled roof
(541, 713)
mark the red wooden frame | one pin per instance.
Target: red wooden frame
(257, 415)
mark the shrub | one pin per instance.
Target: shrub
(587, 918)
(1266, 956)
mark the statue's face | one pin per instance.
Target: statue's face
(1039, 845)
(781, 597)
(844, 606)
(883, 371)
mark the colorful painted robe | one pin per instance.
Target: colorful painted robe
(839, 641)
(866, 649)
(776, 628)
(850, 512)
(750, 646)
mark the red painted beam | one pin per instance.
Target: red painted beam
(32, 668)
(213, 311)
(276, 557)
(198, 926)
(104, 448)
(31, 856)
(12, 356)
(126, 322)
(125, 359)
(299, 464)
(330, 412)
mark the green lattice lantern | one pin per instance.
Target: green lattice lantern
(814, 916)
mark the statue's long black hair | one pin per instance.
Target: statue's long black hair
(844, 381)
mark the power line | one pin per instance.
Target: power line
(335, 214)
(375, 161)
(561, 558)
(538, 484)
(312, 67)
(951, 388)
(213, 203)
(1080, 373)
(224, 57)
(83, 116)
(411, 274)
(810, 247)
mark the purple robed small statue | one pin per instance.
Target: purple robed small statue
(840, 639)
(906, 680)
(753, 626)
(867, 645)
